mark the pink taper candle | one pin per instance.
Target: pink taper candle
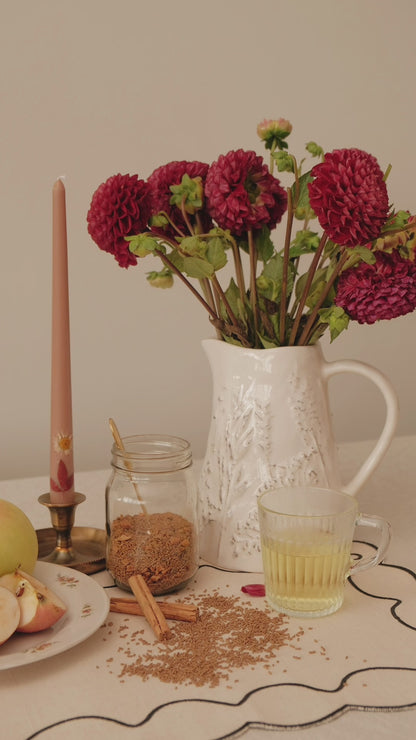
(61, 460)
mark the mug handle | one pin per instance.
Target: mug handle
(392, 414)
(384, 528)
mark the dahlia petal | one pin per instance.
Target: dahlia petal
(120, 207)
(349, 196)
(242, 194)
(160, 182)
(381, 291)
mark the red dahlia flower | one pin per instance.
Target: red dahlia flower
(242, 194)
(160, 181)
(120, 207)
(349, 196)
(384, 290)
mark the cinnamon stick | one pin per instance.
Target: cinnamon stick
(151, 610)
(170, 609)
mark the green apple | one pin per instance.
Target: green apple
(18, 540)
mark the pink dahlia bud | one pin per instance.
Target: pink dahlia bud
(349, 196)
(242, 194)
(274, 128)
(119, 207)
(383, 290)
(160, 182)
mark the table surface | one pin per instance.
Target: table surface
(350, 674)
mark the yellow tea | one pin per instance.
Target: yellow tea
(305, 571)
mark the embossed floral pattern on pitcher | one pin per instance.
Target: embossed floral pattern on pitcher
(270, 425)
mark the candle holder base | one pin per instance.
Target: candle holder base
(82, 548)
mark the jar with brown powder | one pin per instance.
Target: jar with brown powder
(151, 513)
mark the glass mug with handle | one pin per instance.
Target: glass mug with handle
(306, 538)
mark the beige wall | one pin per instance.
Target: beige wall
(90, 88)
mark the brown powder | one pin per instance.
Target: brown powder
(229, 635)
(160, 547)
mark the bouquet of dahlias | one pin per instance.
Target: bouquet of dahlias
(195, 218)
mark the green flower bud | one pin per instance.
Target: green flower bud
(190, 192)
(162, 279)
(303, 213)
(284, 161)
(263, 283)
(273, 132)
(278, 127)
(314, 149)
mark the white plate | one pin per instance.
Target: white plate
(88, 606)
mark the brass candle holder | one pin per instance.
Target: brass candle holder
(82, 548)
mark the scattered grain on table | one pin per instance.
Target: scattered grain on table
(230, 634)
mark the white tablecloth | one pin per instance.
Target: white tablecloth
(366, 687)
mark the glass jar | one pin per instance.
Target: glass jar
(151, 513)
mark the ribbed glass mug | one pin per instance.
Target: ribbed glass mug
(306, 538)
(151, 513)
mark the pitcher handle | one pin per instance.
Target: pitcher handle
(392, 413)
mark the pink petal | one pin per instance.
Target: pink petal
(254, 589)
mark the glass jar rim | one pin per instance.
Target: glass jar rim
(148, 452)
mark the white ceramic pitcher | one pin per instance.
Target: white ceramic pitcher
(271, 425)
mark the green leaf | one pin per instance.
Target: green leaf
(359, 254)
(234, 299)
(319, 282)
(215, 253)
(177, 260)
(142, 244)
(243, 244)
(336, 318)
(196, 267)
(267, 343)
(192, 246)
(232, 340)
(159, 220)
(264, 244)
(269, 282)
(315, 292)
(305, 242)
(397, 221)
(300, 192)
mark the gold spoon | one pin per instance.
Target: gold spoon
(120, 445)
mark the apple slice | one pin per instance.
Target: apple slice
(9, 614)
(39, 607)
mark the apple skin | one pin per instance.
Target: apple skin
(18, 541)
(9, 614)
(39, 607)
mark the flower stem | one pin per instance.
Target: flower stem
(253, 290)
(207, 291)
(198, 228)
(271, 165)
(283, 295)
(186, 217)
(172, 223)
(305, 293)
(239, 273)
(189, 285)
(309, 327)
(235, 327)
